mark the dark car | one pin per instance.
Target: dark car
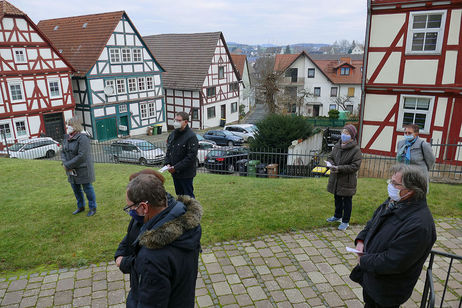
(224, 137)
(225, 159)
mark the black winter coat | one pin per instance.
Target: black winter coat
(165, 269)
(182, 147)
(348, 160)
(77, 155)
(396, 245)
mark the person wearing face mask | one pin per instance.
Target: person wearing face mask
(346, 159)
(78, 162)
(415, 151)
(395, 243)
(182, 147)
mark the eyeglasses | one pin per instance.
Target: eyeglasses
(128, 207)
(408, 133)
(390, 181)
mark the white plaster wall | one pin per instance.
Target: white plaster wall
(367, 133)
(390, 71)
(230, 117)
(383, 140)
(373, 61)
(437, 137)
(440, 111)
(384, 29)
(420, 71)
(299, 154)
(99, 112)
(377, 106)
(34, 124)
(450, 65)
(454, 27)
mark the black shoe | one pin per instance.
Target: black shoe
(80, 209)
(91, 212)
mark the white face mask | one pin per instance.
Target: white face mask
(70, 129)
(393, 193)
(176, 125)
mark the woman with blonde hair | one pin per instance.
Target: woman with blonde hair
(78, 163)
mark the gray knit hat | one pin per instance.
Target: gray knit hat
(352, 130)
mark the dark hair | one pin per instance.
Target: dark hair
(412, 178)
(414, 127)
(183, 115)
(148, 171)
(147, 187)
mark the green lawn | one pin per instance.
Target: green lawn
(38, 232)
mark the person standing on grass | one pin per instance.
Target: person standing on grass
(415, 151)
(164, 270)
(397, 240)
(346, 159)
(78, 163)
(182, 147)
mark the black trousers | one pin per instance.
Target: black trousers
(184, 187)
(343, 207)
(369, 302)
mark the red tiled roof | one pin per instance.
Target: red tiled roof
(7, 8)
(239, 62)
(284, 61)
(81, 46)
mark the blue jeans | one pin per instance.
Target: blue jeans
(89, 191)
(184, 187)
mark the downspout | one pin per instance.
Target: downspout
(363, 81)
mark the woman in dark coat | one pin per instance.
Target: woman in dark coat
(345, 159)
(78, 163)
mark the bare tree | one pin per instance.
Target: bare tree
(342, 101)
(285, 101)
(267, 82)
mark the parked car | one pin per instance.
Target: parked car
(200, 138)
(245, 131)
(204, 147)
(225, 159)
(223, 137)
(136, 151)
(34, 148)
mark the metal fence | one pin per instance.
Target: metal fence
(265, 162)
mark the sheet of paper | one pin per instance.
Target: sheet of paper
(349, 249)
(164, 168)
(328, 164)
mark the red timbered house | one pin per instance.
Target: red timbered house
(200, 77)
(413, 63)
(35, 86)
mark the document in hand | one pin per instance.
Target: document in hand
(349, 249)
(328, 164)
(163, 169)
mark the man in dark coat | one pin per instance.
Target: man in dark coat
(164, 270)
(182, 147)
(396, 242)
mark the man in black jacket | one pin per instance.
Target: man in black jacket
(396, 242)
(164, 269)
(182, 146)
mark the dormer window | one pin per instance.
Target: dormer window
(345, 71)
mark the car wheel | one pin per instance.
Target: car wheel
(50, 154)
(230, 143)
(116, 159)
(249, 140)
(197, 163)
(230, 168)
(143, 161)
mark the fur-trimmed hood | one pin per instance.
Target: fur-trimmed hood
(178, 229)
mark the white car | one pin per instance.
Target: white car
(204, 147)
(33, 148)
(136, 151)
(245, 131)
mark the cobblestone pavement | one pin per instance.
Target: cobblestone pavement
(299, 269)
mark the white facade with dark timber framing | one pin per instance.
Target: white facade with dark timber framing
(200, 77)
(413, 75)
(120, 92)
(35, 86)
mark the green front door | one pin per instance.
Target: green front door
(123, 126)
(106, 129)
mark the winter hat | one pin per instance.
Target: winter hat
(352, 130)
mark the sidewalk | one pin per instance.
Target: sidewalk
(297, 269)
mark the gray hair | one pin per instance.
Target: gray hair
(147, 187)
(76, 123)
(413, 179)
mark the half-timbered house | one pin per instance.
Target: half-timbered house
(35, 84)
(117, 84)
(246, 93)
(200, 77)
(413, 74)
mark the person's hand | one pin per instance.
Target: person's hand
(65, 169)
(334, 169)
(171, 169)
(360, 247)
(119, 260)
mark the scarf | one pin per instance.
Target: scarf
(404, 154)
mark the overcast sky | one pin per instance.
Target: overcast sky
(279, 22)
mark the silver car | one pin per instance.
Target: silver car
(136, 151)
(33, 148)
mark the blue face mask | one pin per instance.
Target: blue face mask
(136, 217)
(408, 137)
(345, 138)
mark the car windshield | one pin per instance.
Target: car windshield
(252, 128)
(146, 146)
(15, 147)
(199, 137)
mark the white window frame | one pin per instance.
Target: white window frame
(111, 83)
(16, 82)
(314, 92)
(52, 80)
(214, 113)
(440, 31)
(141, 84)
(117, 86)
(26, 130)
(149, 81)
(123, 55)
(123, 108)
(139, 57)
(221, 68)
(11, 135)
(336, 91)
(147, 110)
(24, 55)
(132, 85)
(151, 109)
(310, 70)
(234, 107)
(428, 113)
(143, 111)
(332, 106)
(112, 53)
